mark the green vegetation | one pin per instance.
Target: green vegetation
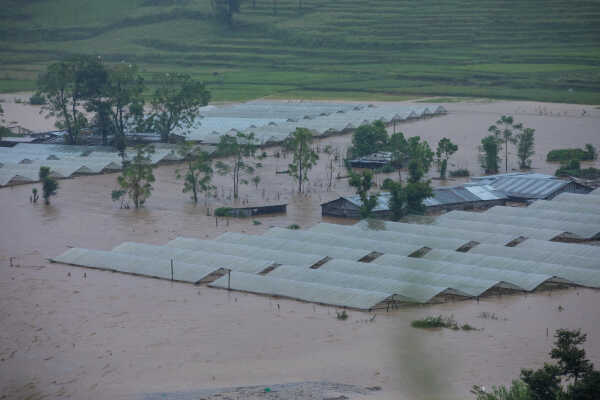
(368, 139)
(488, 154)
(37, 100)
(224, 212)
(363, 184)
(352, 49)
(137, 177)
(49, 185)
(293, 227)
(342, 316)
(573, 377)
(587, 154)
(505, 130)
(240, 147)
(573, 168)
(304, 157)
(198, 174)
(176, 103)
(525, 145)
(459, 173)
(444, 150)
(440, 322)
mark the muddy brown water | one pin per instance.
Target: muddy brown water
(113, 336)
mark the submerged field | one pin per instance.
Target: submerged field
(351, 49)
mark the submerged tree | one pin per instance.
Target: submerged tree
(420, 158)
(49, 184)
(240, 147)
(176, 103)
(137, 176)
(368, 139)
(444, 150)
(363, 184)
(488, 154)
(525, 145)
(397, 201)
(304, 157)
(198, 173)
(505, 131)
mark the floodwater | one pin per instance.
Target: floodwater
(108, 335)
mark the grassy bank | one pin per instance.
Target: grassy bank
(383, 49)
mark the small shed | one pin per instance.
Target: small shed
(372, 161)
(258, 210)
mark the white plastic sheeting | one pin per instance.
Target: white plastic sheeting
(153, 267)
(192, 257)
(578, 198)
(457, 221)
(528, 253)
(408, 291)
(578, 229)
(580, 276)
(241, 250)
(579, 249)
(518, 280)
(566, 206)
(343, 242)
(295, 246)
(306, 291)
(553, 215)
(398, 237)
(460, 284)
(439, 231)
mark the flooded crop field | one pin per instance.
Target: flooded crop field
(69, 332)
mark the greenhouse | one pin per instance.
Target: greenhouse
(451, 220)
(294, 246)
(566, 206)
(290, 257)
(439, 231)
(593, 200)
(576, 230)
(580, 276)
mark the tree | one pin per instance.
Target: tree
(369, 138)
(239, 147)
(176, 103)
(3, 130)
(488, 154)
(544, 383)
(398, 146)
(225, 9)
(137, 176)
(571, 359)
(525, 144)
(363, 184)
(591, 150)
(397, 201)
(123, 94)
(444, 150)
(198, 174)
(420, 158)
(416, 192)
(304, 157)
(65, 86)
(49, 184)
(504, 130)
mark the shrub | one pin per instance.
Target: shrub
(572, 154)
(293, 226)
(224, 212)
(255, 222)
(37, 100)
(434, 322)
(459, 173)
(342, 315)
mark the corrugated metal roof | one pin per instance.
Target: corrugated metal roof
(523, 185)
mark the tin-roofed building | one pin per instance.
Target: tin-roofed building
(523, 186)
(465, 197)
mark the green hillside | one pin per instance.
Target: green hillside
(379, 49)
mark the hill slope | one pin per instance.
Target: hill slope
(537, 49)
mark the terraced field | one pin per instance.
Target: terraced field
(381, 49)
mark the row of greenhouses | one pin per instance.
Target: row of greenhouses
(365, 266)
(21, 163)
(272, 122)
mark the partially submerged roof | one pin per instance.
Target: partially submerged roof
(524, 185)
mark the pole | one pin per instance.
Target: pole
(228, 279)
(171, 270)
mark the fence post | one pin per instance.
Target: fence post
(171, 270)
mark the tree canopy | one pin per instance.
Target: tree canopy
(304, 157)
(137, 176)
(239, 148)
(368, 139)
